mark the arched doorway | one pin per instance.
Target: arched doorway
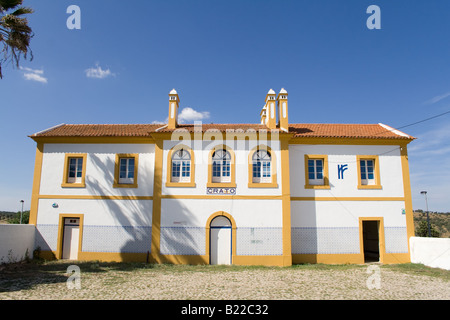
(220, 240)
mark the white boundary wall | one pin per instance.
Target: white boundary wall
(432, 252)
(15, 240)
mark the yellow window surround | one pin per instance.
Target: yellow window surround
(119, 156)
(375, 159)
(326, 181)
(232, 183)
(273, 169)
(65, 182)
(169, 182)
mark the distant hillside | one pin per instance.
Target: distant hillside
(7, 213)
(439, 221)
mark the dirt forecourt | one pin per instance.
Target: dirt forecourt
(61, 280)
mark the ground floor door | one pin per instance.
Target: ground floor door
(371, 241)
(220, 241)
(71, 238)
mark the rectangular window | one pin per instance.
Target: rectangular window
(368, 172)
(125, 172)
(316, 172)
(74, 171)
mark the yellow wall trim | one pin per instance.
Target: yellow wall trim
(95, 140)
(348, 141)
(407, 191)
(156, 210)
(217, 197)
(347, 199)
(36, 184)
(286, 203)
(100, 197)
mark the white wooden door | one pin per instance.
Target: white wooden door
(71, 239)
(220, 241)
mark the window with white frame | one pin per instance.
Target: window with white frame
(181, 166)
(315, 172)
(75, 174)
(221, 166)
(261, 168)
(126, 170)
(367, 170)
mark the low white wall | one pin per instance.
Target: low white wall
(15, 239)
(432, 252)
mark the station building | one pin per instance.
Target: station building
(265, 193)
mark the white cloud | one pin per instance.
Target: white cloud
(34, 74)
(98, 73)
(189, 115)
(438, 98)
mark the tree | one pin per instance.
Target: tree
(15, 34)
(422, 230)
(16, 218)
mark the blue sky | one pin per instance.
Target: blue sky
(222, 57)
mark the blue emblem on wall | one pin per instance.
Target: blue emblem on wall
(341, 170)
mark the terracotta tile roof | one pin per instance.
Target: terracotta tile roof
(307, 130)
(99, 130)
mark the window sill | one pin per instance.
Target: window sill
(123, 185)
(73, 185)
(221, 185)
(311, 186)
(375, 186)
(262, 185)
(181, 184)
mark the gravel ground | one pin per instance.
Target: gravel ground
(139, 282)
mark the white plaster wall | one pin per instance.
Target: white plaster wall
(108, 225)
(15, 240)
(345, 213)
(432, 252)
(390, 170)
(98, 212)
(99, 169)
(202, 150)
(246, 213)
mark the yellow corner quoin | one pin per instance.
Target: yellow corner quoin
(280, 179)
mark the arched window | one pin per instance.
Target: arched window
(221, 166)
(261, 168)
(181, 166)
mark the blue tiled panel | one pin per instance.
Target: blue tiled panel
(183, 240)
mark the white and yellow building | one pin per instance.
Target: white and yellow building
(269, 193)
